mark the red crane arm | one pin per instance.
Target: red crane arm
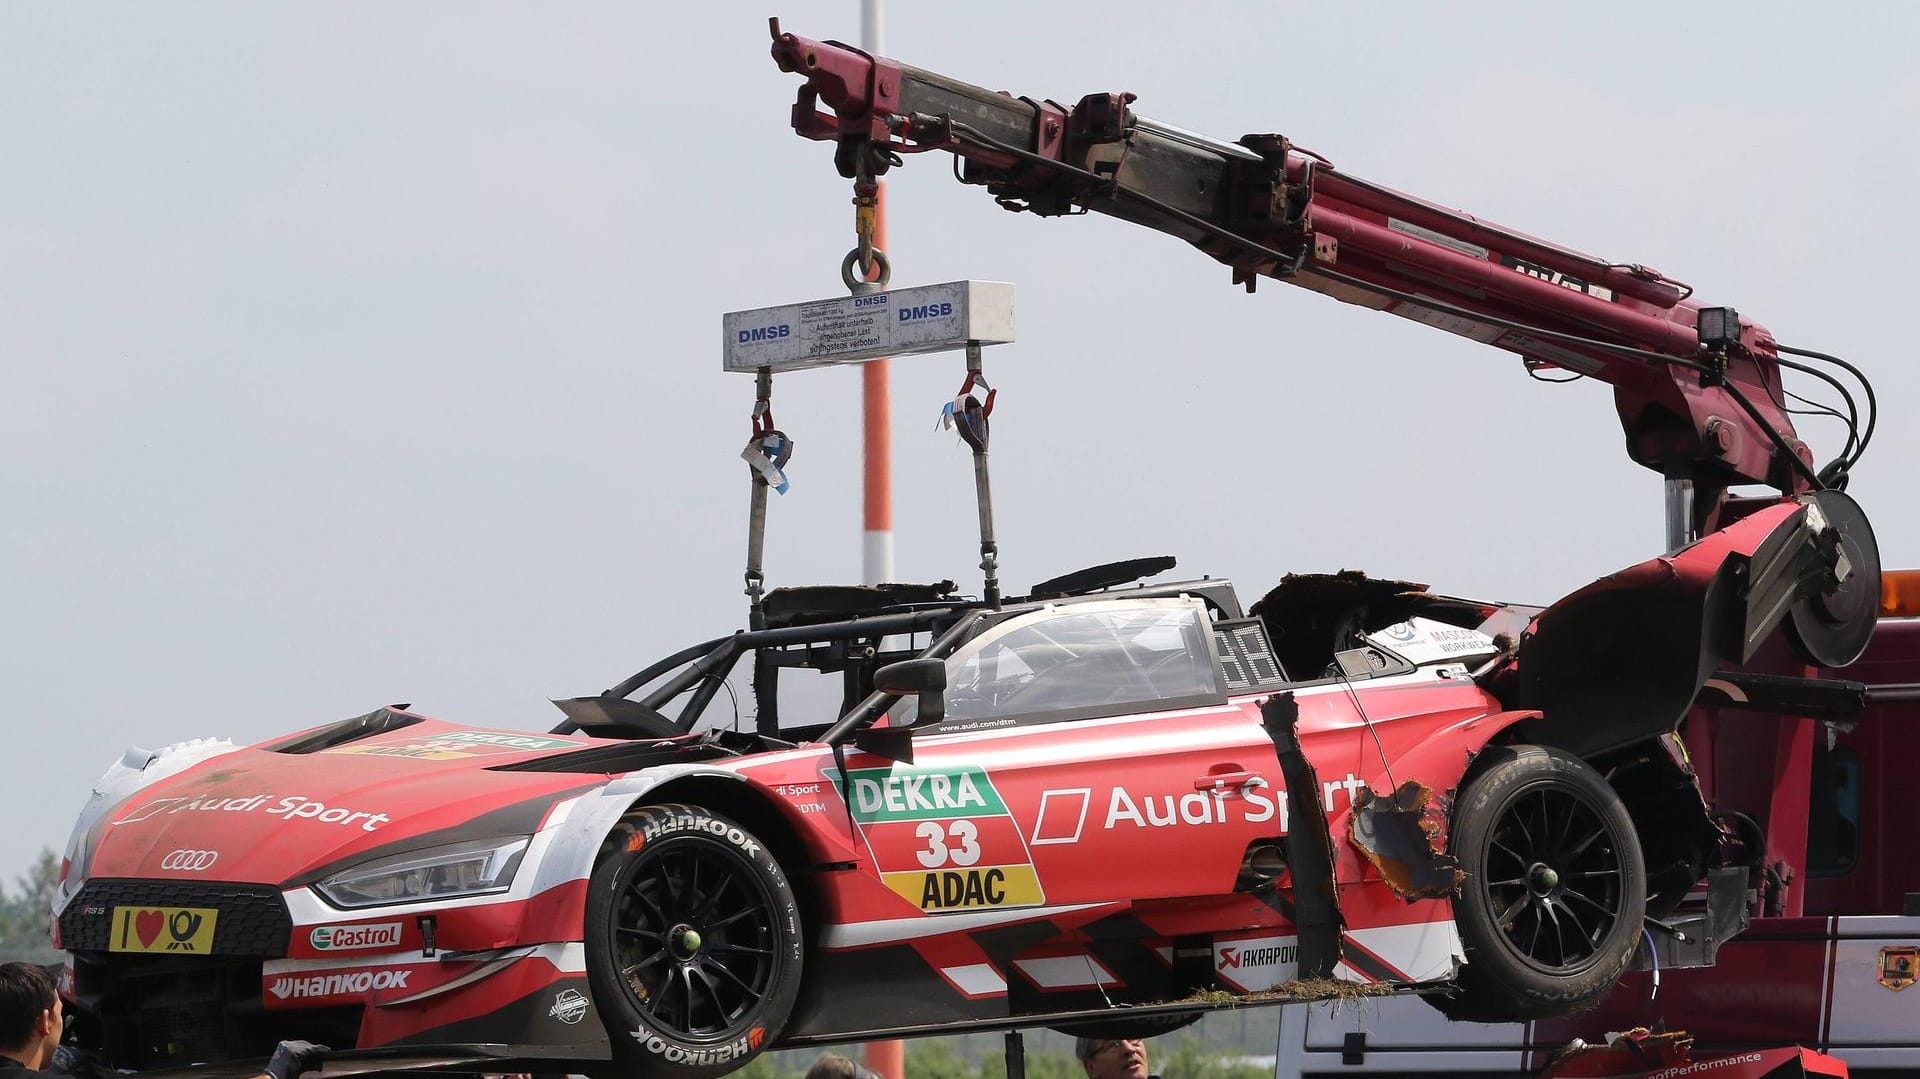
(1708, 412)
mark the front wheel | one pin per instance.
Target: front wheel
(693, 943)
(1551, 910)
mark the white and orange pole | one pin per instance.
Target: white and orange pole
(888, 1058)
(876, 541)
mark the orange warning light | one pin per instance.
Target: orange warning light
(1900, 593)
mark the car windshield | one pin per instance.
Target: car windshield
(1074, 660)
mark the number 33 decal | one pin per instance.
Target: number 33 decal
(956, 843)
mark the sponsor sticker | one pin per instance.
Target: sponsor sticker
(311, 986)
(351, 938)
(455, 745)
(674, 1053)
(942, 838)
(167, 930)
(292, 807)
(569, 1006)
(419, 751)
(1254, 964)
(904, 793)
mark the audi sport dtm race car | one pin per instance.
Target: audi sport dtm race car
(1106, 806)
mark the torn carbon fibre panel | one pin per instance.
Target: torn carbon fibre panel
(1401, 837)
(1316, 906)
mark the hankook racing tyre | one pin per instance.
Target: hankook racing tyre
(693, 943)
(1551, 909)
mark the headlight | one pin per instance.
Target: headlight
(476, 867)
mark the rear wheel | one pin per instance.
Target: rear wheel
(693, 943)
(1552, 907)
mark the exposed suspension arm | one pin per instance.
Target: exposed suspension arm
(1703, 412)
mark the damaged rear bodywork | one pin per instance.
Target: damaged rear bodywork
(1609, 674)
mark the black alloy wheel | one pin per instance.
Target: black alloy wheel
(693, 943)
(1555, 898)
(1559, 889)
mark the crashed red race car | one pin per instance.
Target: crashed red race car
(1102, 807)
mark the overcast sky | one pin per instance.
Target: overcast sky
(364, 353)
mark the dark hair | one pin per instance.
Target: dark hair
(835, 1066)
(26, 990)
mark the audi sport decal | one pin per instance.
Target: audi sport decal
(294, 807)
(315, 988)
(1254, 802)
(349, 938)
(1196, 807)
(942, 838)
(190, 861)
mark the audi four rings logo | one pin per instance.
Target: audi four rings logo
(190, 861)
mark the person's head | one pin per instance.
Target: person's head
(29, 1014)
(1112, 1058)
(835, 1066)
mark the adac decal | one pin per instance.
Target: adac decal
(942, 838)
(293, 807)
(1899, 963)
(350, 938)
(308, 987)
(167, 930)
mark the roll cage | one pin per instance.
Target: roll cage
(681, 687)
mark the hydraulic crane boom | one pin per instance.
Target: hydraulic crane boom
(1698, 389)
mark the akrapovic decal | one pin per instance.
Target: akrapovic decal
(1255, 964)
(942, 838)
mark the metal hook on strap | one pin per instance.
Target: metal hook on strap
(967, 413)
(768, 448)
(857, 283)
(766, 454)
